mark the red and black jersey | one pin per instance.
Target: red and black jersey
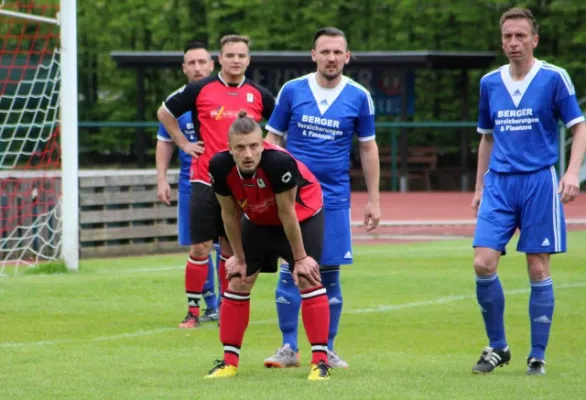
(277, 172)
(214, 105)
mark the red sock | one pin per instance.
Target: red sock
(196, 273)
(315, 312)
(234, 316)
(222, 274)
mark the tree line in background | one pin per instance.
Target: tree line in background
(109, 94)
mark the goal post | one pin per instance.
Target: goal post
(69, 135)
(39, 204)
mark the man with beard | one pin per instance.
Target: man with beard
(197, 64)
(324, 110)
(271, 207)
(214, 103)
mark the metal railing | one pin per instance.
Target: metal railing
(445, 136)
(134, 141)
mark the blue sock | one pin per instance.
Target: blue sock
(491, 299)
(209, 288)
(288, 302)
(541, 304)
(330, 278)
(219, 297)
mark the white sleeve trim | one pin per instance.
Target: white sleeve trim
(273, 130)
(484, 131)
(575, 121)
(164, 139)
(366, 138)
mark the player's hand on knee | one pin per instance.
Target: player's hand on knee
(236, 267)
(164, 192)
(569, 187)
(308, 269)
(371, 216)
(476, 201)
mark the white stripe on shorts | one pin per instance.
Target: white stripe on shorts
(557, 231)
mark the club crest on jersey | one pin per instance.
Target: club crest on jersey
(261, 183)
(250, 97)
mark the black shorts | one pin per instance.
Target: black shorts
(263, 245)
(205, 214)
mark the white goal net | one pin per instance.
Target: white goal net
(31, 222)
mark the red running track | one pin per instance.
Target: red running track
(434, 206)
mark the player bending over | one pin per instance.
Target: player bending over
(282, 205)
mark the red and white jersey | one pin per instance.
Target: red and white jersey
(214, 105)
(277, 172)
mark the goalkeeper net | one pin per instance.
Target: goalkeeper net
(30, 184)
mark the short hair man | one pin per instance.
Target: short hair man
(282, 205)
(520, 104)
(324, 110)
(197, 64)
(214, 102)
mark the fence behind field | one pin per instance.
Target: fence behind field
(121, 215)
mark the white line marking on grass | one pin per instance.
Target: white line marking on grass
(394, 251)
(379, 309)
(96, 339)
(449, 222)
(449, 299)
(155, 269)
(405, 237)
(421, 252)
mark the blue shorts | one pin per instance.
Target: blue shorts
(529, 202)
(183, 219)
(337, 248)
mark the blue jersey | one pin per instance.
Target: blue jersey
(186, 125)
(320, 125)
(523, 116)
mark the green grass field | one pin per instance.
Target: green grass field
(411, 330)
